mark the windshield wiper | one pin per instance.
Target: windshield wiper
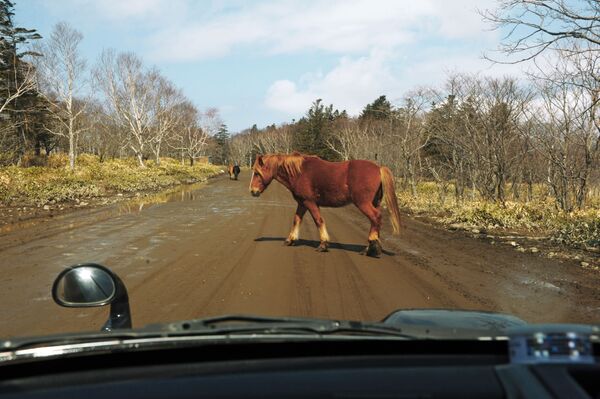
(231, 326)
(241, 324)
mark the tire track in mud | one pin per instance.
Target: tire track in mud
(404, 262)
(230, 281)
(365, 298)
(479, 302)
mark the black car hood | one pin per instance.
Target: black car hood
(411, 323)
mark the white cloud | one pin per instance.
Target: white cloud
(460, 19)
(130, 8)
(188, 30)
(355, 82)
(283, 95)
(350, 85)
(145, 13)
(340, 26)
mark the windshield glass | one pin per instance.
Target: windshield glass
(323, 159)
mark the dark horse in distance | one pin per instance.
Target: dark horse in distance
(234, 171)
(315, 182)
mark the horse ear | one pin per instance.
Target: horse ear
(259, 159)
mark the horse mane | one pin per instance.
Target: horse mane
(289, 164)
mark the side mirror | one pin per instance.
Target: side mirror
(90, 285)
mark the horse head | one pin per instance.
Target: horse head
(263, 173)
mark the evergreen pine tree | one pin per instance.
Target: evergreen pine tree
(315, 128)
(222, 142)
(381, 108)
(19, 116)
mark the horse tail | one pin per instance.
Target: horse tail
(387, 182)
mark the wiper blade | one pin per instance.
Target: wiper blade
(66, 339)
(236, 324)
(232, 325)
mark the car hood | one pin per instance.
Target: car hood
(457, 324)
(410, 323)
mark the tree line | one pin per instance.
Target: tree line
(52, 100)
(474, 135)
(490, 137)
(479, 136)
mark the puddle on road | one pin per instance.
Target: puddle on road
(539, 283)
(187, 192)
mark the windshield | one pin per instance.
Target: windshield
(323, 159)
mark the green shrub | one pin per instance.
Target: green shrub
(579, 232)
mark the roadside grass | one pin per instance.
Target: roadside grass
(578, 229)
(54, 183)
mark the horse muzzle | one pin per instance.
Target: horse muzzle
(255, 193)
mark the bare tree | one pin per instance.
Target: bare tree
(274, 140)
(103, 138)
(564, 135)
(567, 31)
(503, 102)
(61, 75)
(166, 116)
(448, 149)
(349, 137)
(535, 26)
(476, 134)
(242, 146)
(190, 139)
(410, 135)
(128, 88)
(210, 121)
(23, 81)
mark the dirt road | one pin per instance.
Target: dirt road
(214, 249)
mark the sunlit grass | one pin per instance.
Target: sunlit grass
(54, 183)
(579, 228)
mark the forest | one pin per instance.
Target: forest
(484, 150)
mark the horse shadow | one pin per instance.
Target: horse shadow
(315, 244)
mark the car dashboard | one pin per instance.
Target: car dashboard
(309, 368)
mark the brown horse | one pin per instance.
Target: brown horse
(314, 182)
(234, 171)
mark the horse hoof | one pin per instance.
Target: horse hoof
(373, 250)
(288, 243)
(374, 254)
(322, 248)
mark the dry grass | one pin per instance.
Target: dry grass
(578, 229)
(54, 183)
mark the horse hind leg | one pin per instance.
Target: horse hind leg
(374, 214)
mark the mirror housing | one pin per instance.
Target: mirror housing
(91, 285)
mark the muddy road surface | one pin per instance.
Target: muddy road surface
(212, 249)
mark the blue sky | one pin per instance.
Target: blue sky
(264, 62)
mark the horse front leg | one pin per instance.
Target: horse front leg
(295, 233)
(323, 235)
